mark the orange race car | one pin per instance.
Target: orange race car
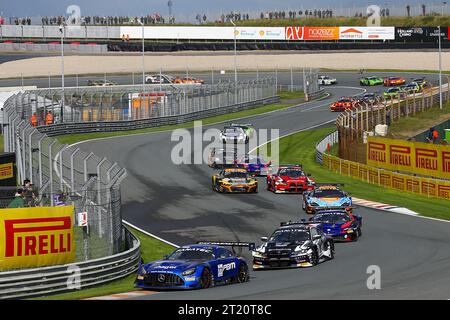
(394, 81)
(344, 103)
(188, 80)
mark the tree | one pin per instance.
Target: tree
(408, 10)
(424, 11)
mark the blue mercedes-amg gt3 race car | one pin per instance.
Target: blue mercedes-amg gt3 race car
(198, 266)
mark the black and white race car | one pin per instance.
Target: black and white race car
(293, 244)
(326, 80)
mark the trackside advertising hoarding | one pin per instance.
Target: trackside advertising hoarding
(261, 33)
(403, 182)
(412, 157)
(36, 237)
(366, 33)
(206, 33)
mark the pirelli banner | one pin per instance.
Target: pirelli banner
(422, 186)
(36, 237)
(411, 157)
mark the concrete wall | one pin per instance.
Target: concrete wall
(42, 47)
(72, 32)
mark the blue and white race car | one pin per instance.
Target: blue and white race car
(198, 266)
(340, 224)
(255, 164)
(329, 195)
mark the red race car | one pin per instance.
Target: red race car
(344, 103)
(394, 81)
(290, 179)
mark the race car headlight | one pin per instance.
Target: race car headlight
(142, 271)
(300, 251)
(346, 204)
(189, 272)
(280, 183)
(314, 204)
(259, 254)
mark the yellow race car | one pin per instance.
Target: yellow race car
(234, 180)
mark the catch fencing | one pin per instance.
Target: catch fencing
(353, 126)
(356, 124)
(64, 175)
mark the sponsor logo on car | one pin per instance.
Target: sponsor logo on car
(225, 267)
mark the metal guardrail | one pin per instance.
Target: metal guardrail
(58, 279)
(125, 125)
(322, 146)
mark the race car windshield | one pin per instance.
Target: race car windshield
(331, 217)
(344, 100)
(233, 130)
(235, 175)
(328, 194)
(291, 173)
(291, 236)
(191, 254)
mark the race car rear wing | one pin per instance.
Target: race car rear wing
(290, 165)
(302, 222)
(334, 208)
(250, 245)
(330, 184)
(241, 124)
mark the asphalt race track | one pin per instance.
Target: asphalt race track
(177, 204)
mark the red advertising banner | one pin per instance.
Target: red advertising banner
(294, 33)
(321, 33)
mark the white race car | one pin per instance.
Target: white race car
(326, 80)
(234, 134)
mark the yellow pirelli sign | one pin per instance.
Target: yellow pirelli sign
(6, 171)
(411, 157)
(36, 237)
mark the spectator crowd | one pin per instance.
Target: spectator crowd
(153, 19)
(296, 14)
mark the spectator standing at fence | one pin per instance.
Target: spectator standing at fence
(29, 193)
(34, 120)
(433, 135)
(18, 201)
(49, 118)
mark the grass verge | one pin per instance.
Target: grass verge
(151, 249)
(286, 102)
(413, 125)
(300, 148)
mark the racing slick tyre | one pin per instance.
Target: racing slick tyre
(206, 280)
(315, 257)
(242, 275)
(359, 233)
(330, 246)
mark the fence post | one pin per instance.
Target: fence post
(30, 152)
(50, 164)
(72, 181)
(85, 166)
(61, 178)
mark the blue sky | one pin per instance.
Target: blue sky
(180, 7)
